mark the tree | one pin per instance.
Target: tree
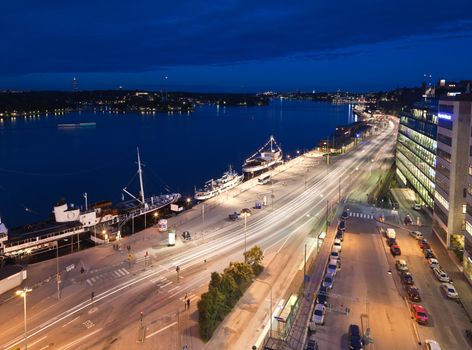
(254, 258)
(242, 274)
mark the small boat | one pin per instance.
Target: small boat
(213, 188)
(267, 157)
(76, 125)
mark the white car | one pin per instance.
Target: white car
(401, 265)
(334, 255)
(416, 234)
(450, 290)
(332, 267)
(441, 275)
(433, 263)
(432, 344)
(319, 313)
(328, 281)
(337, 245)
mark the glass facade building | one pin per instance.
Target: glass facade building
(416, 150)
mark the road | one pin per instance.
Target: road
(377, 298)
(112, 320)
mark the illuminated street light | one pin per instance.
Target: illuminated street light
(23, 292)
(245, 213)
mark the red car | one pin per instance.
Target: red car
(395, 250)
(423, 243)
(419, 313)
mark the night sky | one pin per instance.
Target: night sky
(233, 45)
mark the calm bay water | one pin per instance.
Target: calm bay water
(41, 163)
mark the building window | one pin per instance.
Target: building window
(444, 139)
(444, 123)
(444, 155)
(442, 201)
(440, 214)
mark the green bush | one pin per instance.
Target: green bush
(225, 289)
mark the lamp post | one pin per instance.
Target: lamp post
(270, 285)
(23, 292)
(245, 213)
(58, 278)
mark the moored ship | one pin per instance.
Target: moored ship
(213, 188)
(266, 158)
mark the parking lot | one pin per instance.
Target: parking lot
(368, 291)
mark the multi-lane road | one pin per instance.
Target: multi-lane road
(112, 318)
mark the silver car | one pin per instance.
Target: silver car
(328, 281)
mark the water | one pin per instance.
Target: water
(41, 163)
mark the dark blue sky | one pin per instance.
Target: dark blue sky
(233, 45)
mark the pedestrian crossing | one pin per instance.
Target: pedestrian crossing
(361, 215)
(107, 276)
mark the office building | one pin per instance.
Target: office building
(452, 163)
(416, 150)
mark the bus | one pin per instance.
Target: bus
(263, 179)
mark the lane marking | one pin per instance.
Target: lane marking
(70, 321)
(37, 341)
(161, 330)
(165, 285)
(75, 342)
(172, 289)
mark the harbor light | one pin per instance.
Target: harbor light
(189, 199)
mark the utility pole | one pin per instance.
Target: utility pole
(304, 269)
(58, 277)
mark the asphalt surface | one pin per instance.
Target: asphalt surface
(378, 300)
(111, 320)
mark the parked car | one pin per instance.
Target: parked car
(407, 278)
(391, 233)
(450, 290)
(340, 235)
(413, 293)
(334, 255)
(395, 250)
(419, 313)
(332, 267)
(345, 215)
(391, 241)
(312, 344)
(355, 339)
(417, 206)
(416, 235)
(319, 313)
(337, 245)
(433, 262)
(401, 265)
(342, 225)
(328, 281)
(441, 275)
(423, 243)
(322, 297)
(432, 344)
(428, 253)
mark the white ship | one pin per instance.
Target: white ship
(213, 188)
(267, 157)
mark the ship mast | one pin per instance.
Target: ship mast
(140, 172)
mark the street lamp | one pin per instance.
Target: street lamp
(270, 285)
(245, 213)
(58, 278)
(23, 294)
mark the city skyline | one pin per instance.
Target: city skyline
(233, 46)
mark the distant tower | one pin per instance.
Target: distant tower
(75, 85)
